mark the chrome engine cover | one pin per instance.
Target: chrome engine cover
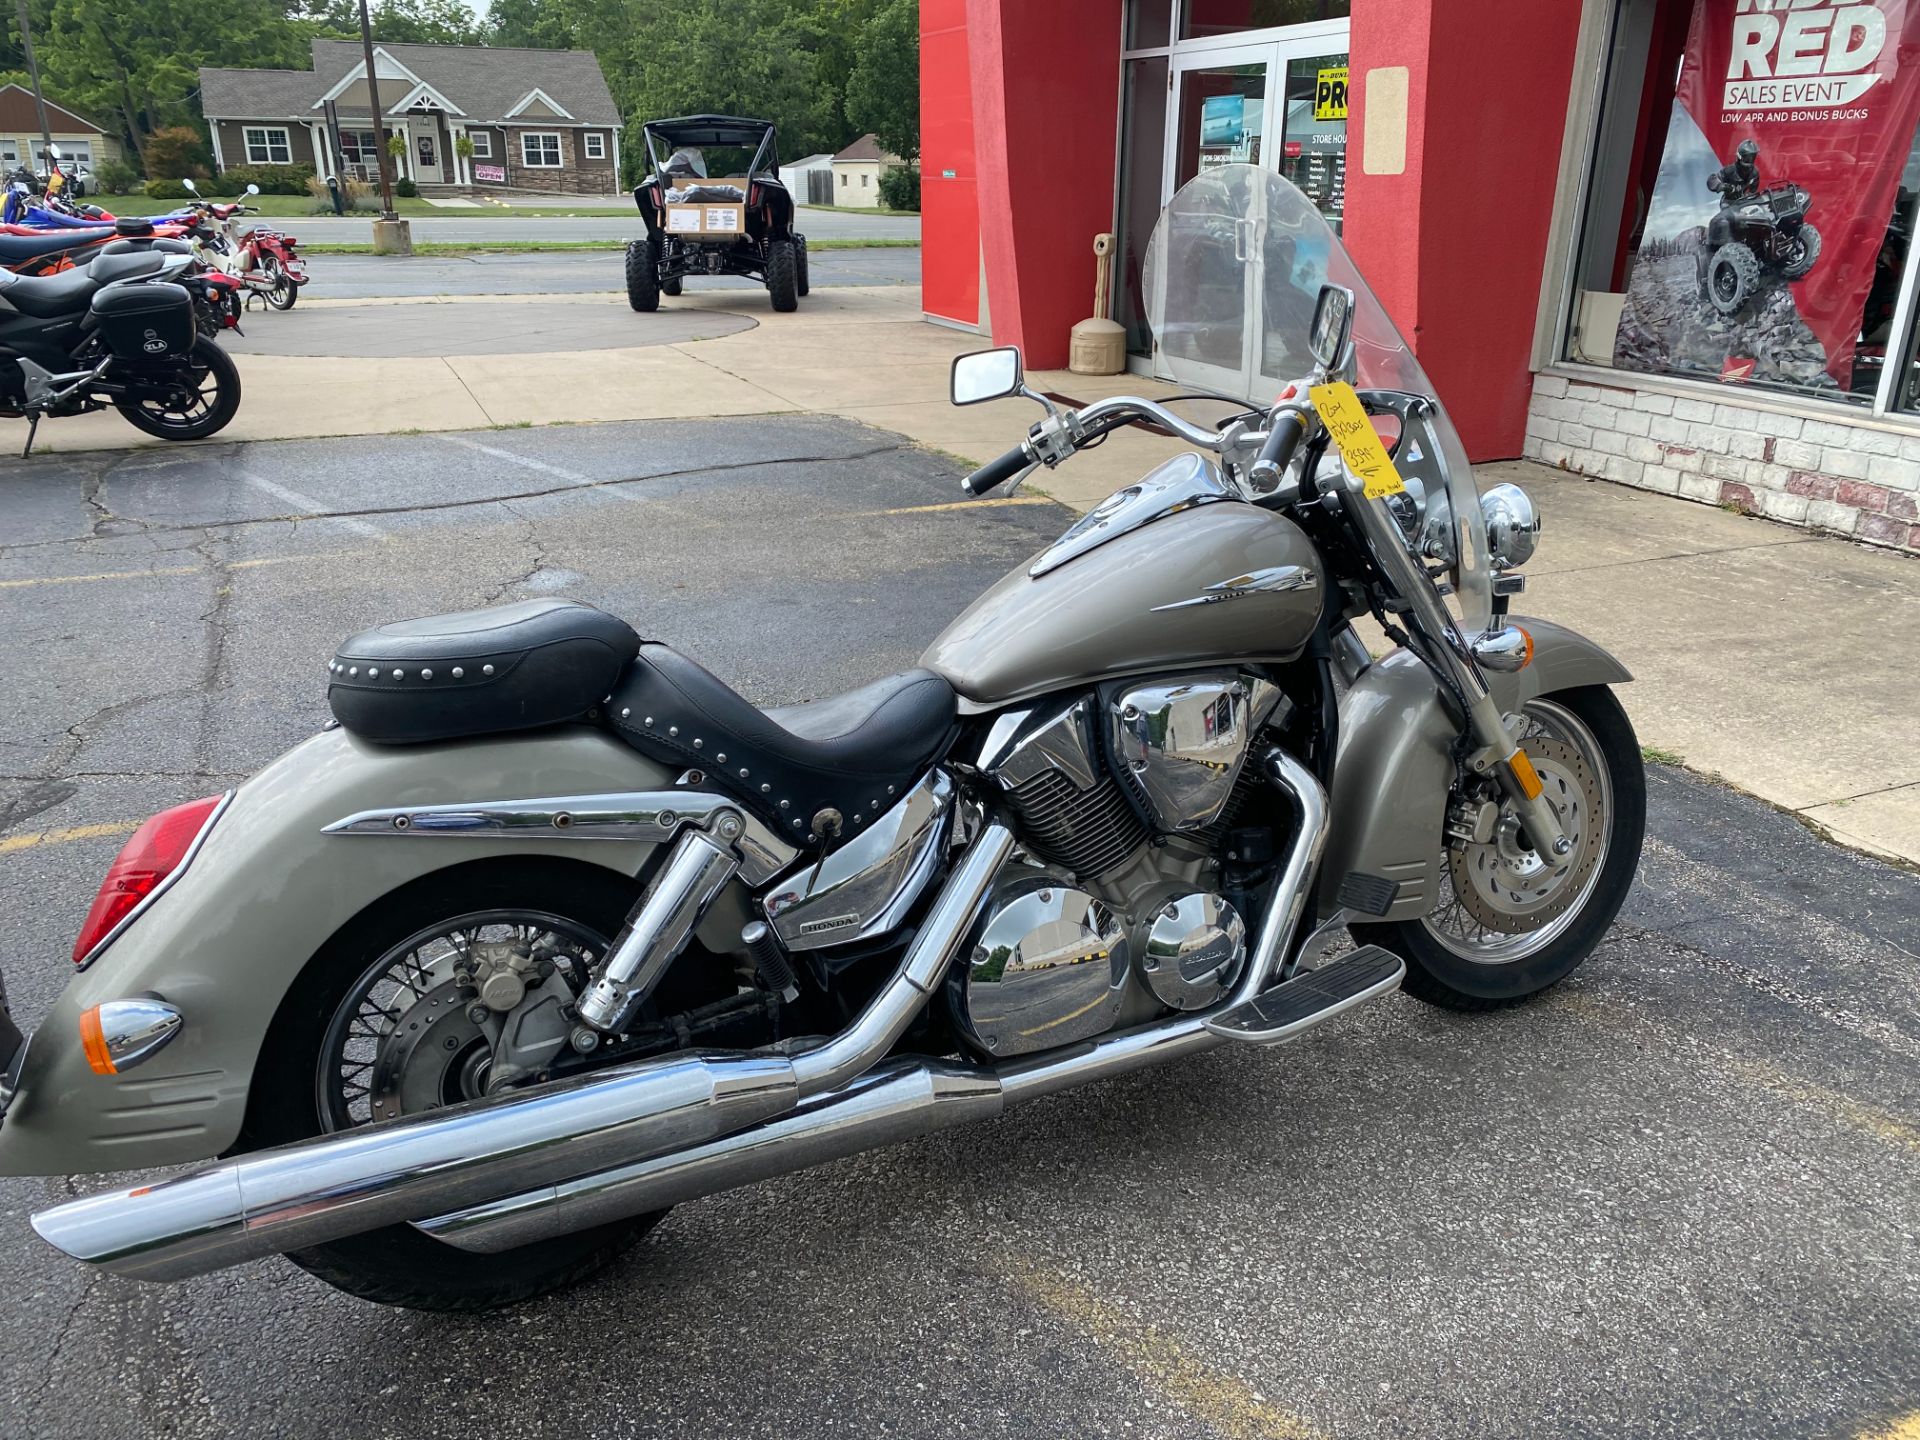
(1181, 743)
(1195, 946)
(1046, 966)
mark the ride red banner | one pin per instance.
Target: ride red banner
(1772, 225)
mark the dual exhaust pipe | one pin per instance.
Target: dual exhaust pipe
(503, 1172)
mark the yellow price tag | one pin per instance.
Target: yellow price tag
(1346, 421)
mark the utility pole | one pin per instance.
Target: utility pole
(33, 73)
(387, 212)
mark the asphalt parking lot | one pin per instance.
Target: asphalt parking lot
(1677, 1197)
(561, 272)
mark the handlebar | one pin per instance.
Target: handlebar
(1286, 433)
(995, 472)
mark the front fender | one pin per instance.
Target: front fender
(265, 892)
(1395, 769)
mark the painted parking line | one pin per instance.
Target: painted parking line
(12, 843)
(954, 505)
(1907, 1427)
(1224, 1403)
(166, 571)
(310, 506)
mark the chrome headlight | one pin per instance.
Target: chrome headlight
(1513, 526)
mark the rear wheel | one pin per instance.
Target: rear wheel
(377, 1026)
(671, 287)
(1804, 255)
(284, 291)
(800, 264)
(643, 274)
(194, 398)
(783, 281)
(1509, 923)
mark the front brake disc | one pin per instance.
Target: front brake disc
(1503, 883)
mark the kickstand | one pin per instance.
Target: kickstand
(33, 428)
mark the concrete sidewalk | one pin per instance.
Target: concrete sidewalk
(1771, 657)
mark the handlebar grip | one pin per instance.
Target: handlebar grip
(1274, 455)
(995, 472)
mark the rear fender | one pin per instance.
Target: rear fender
(1395, 770)
(263, 894)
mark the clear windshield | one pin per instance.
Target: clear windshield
(1233, 272)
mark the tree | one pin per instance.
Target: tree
(883, 92)
(531, 24)
(397, 22)
(175, 152)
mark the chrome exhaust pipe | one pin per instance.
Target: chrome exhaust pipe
(427, 1165)
(903, 1100)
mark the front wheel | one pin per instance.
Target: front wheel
(1507, 923)
(195, 397)
(800, 282)
(1804, 255)
(285, 290)
(783, 278)
(643, 274)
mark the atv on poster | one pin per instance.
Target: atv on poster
(1790, 126)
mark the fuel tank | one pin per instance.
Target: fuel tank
(1173, 573)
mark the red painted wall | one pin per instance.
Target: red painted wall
(1046, 80)
(950, 206)
(1457, 245)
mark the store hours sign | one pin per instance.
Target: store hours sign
(1763, 249)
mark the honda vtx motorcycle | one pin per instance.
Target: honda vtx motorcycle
(554, 930)
(118, 331)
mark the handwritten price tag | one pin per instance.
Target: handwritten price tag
(1346, 421)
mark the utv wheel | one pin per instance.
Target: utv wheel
(1507, 924)
(1732, 276)
(783, 279)
(1804, 256)
(643, 275)
(800, 284)
(196, 398)
(671, 287)
(317, 1073)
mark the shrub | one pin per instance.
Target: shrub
(900, 189)
(272, 179)
(167, 190)
(115, 177)
(406, 189)
(175, 151)
(355, 197)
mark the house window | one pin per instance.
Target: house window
(596, 147)
(357, 147)
(843, 179)
(268, 145)
(70, 153)
(865, 179)
(482, 144)
(540, 149)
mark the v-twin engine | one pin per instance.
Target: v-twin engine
(1114, 908)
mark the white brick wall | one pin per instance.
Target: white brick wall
(1855, 481)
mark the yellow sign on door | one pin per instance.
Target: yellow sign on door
(1346, 421)
(1330, 94)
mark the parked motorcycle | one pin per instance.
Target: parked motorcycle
(554, 930)
(117, 331)
(262, 260)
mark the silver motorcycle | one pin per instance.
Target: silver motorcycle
(553, 930)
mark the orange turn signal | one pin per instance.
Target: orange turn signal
(1524, 772)
(94, 1043)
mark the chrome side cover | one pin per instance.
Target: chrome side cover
(1182, 742)
(1047, 966)
(1182, 483)
(866, 887)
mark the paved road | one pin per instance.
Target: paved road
(559, 272)
(1676, 1198)
(462, 226)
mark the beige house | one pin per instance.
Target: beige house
(79, 138)
(538, 119)
(857, 170)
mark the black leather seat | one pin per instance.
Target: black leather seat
(854, 754)
(50, 296)
(478, 672)
(16, 248)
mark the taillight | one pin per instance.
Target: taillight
(150, 861)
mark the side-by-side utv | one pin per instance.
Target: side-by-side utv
(714, 205)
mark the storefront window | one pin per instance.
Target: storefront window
(1143, 157)
(1313, 142)
(1149, 23)
(1229, 17)
(1751, 196)
(1222, 116)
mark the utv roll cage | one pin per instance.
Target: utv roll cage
(663, 137)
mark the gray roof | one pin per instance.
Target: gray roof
(867, 147)
(484, 81)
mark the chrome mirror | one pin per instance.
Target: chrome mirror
(1332, 325)
(53, 150)
(986, 375)
(252, 189)
(188, 182)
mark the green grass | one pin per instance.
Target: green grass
(1653, 754)
(481, 247)
(288, 207)
(862, 210)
